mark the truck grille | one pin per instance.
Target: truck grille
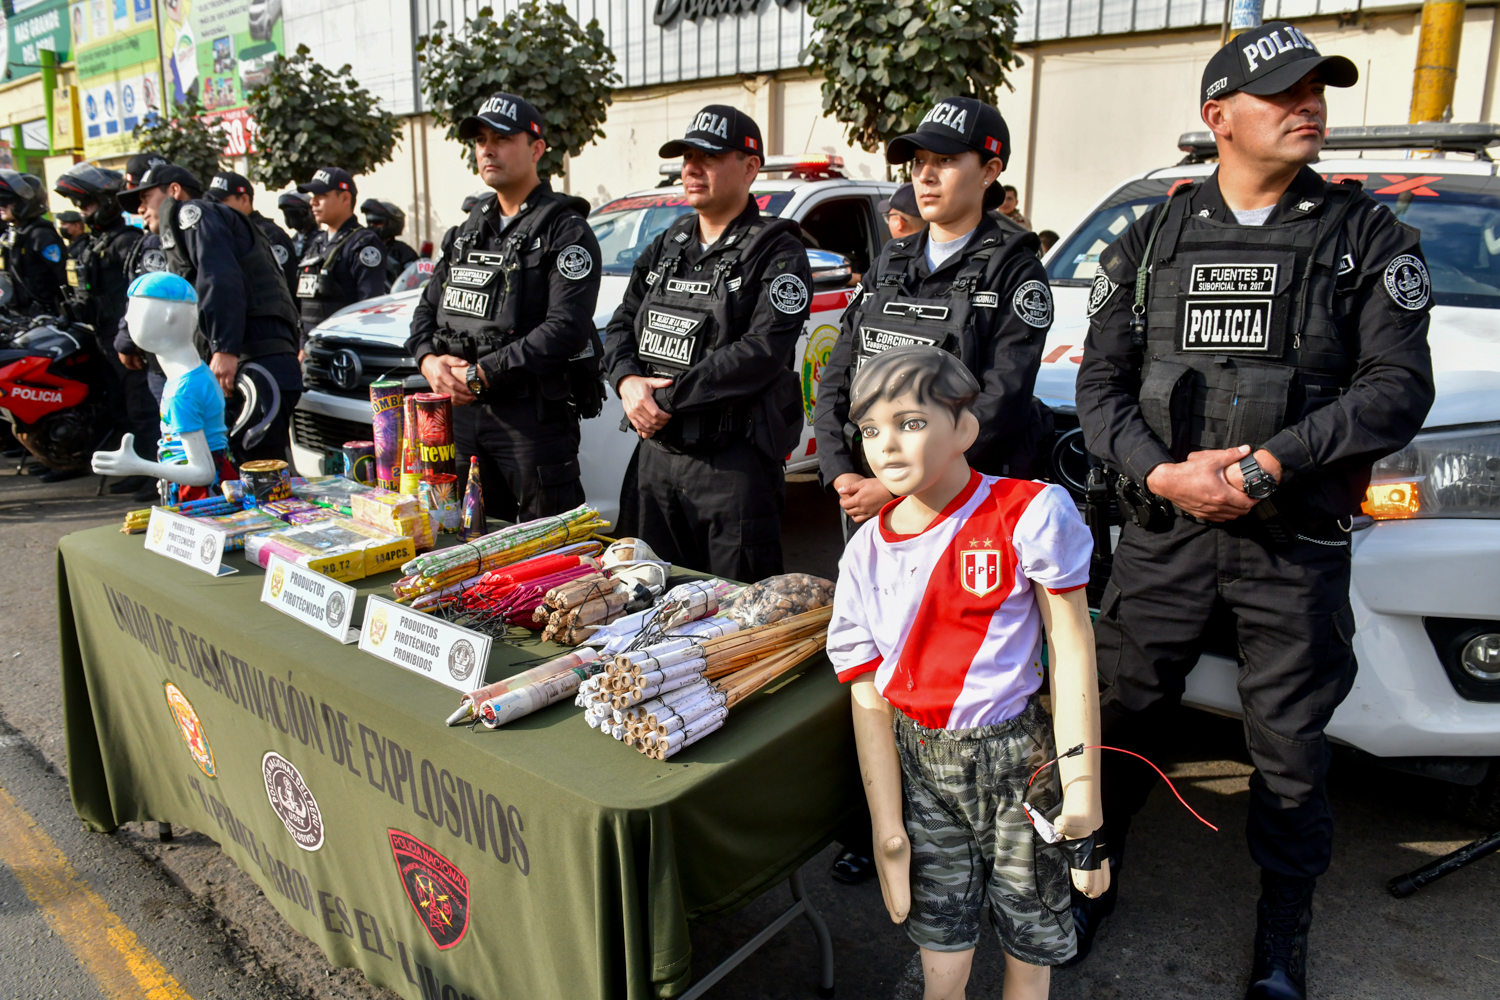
(320, 433)
(347, 367)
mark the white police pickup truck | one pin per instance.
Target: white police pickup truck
(1426, 557)
(367, 341)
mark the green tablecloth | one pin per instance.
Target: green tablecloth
(539, 860)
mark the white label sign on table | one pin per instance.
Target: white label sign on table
(187, 541)
(449, 654)
(310, 597)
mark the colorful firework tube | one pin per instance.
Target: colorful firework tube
(438, 494)
(386, 405)
(267, 479)
(535, 696)
(585, 659)
(359, 461)
(435, 434)
(473, 517)
(411, 450)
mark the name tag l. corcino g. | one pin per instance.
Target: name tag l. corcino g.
(1213, 322)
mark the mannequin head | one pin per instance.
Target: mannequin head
(914, 410)
(162, 313)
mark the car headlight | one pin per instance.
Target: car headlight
(1443, 473)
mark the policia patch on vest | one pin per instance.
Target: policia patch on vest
(466, 292)
(1229, 308)
(873, 341)
(1407, 282)
(669, 338)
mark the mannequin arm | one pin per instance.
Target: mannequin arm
(1075, 719)
(880, 770)
(199, 470)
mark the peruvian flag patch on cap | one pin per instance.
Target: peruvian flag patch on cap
(750, 142)
(992, 144)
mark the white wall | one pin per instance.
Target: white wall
(373, 36)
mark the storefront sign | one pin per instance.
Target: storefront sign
(448, 654)
(33, 25)
(119, 72)
(310, 597)
(669, 12)
(187, 541)
(219, 51)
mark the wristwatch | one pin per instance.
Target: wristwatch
(1259, 484)
(475, 383)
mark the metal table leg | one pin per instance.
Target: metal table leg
(801, 907)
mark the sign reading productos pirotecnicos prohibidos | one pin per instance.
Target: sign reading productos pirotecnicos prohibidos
(451, 655)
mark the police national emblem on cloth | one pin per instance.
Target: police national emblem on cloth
(1032, 303)
(189, 216)
(279, 252)
(371, 257)
(153, 260)
(788, 294)
(1100, 291)
(52, 253)
(574, 262)
(1407, 282)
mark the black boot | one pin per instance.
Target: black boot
(1282, 917)
(1089, 914)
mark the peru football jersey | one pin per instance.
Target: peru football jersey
(946, 619)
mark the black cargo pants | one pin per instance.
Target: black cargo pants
(528, 461)
(1294, 629)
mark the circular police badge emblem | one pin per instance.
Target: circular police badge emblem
(1407, 282)
(788, 293)
(334, 612)
(208, 549)
(292, 801)
(574, 262)
(1100, 291)
(1033, 304)
(279, 252)
(461, 659)
(153, 260)
(189, 216)
(371, 257)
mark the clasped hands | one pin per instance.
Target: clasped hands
(1209, 484)
(638, 394)
(446, 374)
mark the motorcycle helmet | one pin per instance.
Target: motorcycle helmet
(84, 182)
(24, 194)
(385, 217)
(296, 211)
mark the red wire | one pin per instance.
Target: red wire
(1158, 770)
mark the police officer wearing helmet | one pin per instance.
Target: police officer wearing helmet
(31, 252)
(296, 212)
(238, 193)
(388, 221)
(345, 263)
(700, 351)
(246, 318)
(965, 284)
(1255, 344)
(507, 321)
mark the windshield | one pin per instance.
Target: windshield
(625, 227)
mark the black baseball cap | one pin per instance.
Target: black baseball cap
(326, 179)
(1268, 60)
(955, 125)
(225, 184)
(718, 128)
(69, 216)
(506, 114)
(904, 199)
(158, 175)
(138, 164)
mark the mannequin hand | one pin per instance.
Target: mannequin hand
(132, 361)
(1264, 459)
(1092, 884)
(225, 367)
(1199, 485)
(124, 462)
(438, 369)
(637, 393)
(861, 497)
(893, 864)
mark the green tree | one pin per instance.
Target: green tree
(539, 52)
(885, 61)
(307, 117)
(186, 139)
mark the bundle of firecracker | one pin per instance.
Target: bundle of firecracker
(334, 492)
(494, 601)
(668, 695)
(234, 521)
(435, 570)
(569, 612)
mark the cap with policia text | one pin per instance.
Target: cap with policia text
(138, 164)
(159, 175)
(1270, 59)
(718, 128)
(226, 184)
(955, 125)
(328, 179)
(903, 200)
(506, 114)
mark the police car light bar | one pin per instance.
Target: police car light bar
(807, 165)
(1466, 137)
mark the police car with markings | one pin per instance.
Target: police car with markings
(366, 341)
(1426, 552)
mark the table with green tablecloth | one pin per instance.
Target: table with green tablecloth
(539, 860)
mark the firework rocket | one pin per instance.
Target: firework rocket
(473, 521)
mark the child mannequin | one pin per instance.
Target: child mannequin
(938, 612)
(162, 316)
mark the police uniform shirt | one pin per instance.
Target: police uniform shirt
(33, 256)
(1012, 312)
(559, 291)
(1382, 296)
(282, 248)
(763, 329)
(144, 257)
(359, 269)
(100, 266)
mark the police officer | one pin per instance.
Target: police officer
(965, 284)
(71, 227)
(700, 352)
(900, 213)
(238, 193)
(31, 252)
(388, 221)
(345, 263)
(522, 345)
(245, 315)
(145, 256)
(1256, 343)
(296, 212)
(96, 296)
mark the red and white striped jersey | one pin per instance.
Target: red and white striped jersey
(946, 619)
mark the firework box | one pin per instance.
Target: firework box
(334, 492)
(385, 509)
(284, 509)
(340, 547)
(240, 525)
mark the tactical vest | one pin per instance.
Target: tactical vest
(685, 316)
(318, 295)
(266, 296)
(88, 277)
(1239, 324)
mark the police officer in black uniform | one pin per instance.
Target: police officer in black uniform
(296, 212)
(700, 352)
(345, 263)
(246, 320)
(521, 344)
(388, 221)
(238, 193)
(31, 252)
(71, 227)
(145, 256)
(1256, 343)
(964, 284)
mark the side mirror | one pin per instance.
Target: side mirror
(829, 269)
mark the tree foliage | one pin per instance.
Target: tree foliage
(186, 139)
(538, 52)
(884, 62)
(309, 117)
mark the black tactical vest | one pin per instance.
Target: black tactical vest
(91, 279)
(266, 294)
(1239, 324)
(318, 295)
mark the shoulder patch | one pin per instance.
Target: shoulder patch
(189, 216)
(985, 300)
(153, 260)
(788, 294)
(1100, 291)
(168, 238)
(1032, 304)
(371, 257)
(1407, 282)
(1346, 263)
(574, 262)
(280, 253)
(52, 252)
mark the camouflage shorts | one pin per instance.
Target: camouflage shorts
(972, 843)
